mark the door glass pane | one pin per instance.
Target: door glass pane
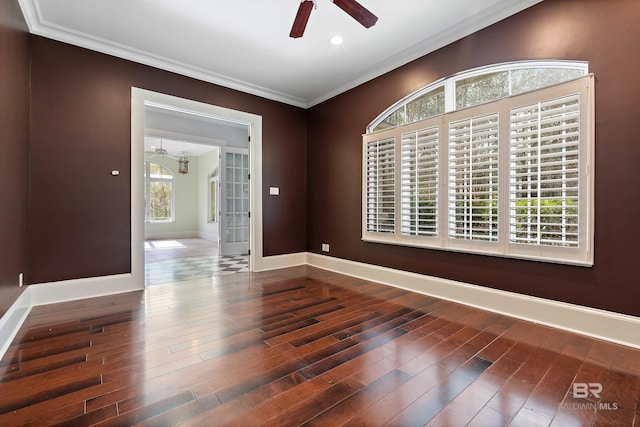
(236, 198)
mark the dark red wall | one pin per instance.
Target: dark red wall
(605, 33)
(80, 131)
(14, 150)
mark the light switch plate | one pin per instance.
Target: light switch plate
(274, 191)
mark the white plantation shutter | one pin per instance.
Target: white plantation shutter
(512, 178)
(545, 173)
(380, 165)
(473, 178)
(419, 186)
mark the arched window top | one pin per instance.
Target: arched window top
(477, 86)
(215, 173)
(157, 171)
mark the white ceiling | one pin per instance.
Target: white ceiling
(176, 148)
(245, 44)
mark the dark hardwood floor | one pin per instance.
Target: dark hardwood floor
(303, 346)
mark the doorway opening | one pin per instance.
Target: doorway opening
(199, 224)
(196, 206)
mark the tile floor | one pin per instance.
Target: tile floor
(178, 260)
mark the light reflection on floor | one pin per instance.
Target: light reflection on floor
(178, 260)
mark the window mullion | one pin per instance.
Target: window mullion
(564, 182)
(397, 185)
(378, 188)
(504, 182)
(449, 95)
(539, 177)
(418, 188)
(468, 221)
(443, 199)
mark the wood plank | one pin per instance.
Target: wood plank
(304, 346)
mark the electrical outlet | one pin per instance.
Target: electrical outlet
(325, 247)
(20, 279)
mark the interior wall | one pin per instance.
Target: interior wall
(601, 32)
(14, 150)
(81, 110)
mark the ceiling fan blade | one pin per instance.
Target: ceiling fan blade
(357, 12)
(300, 23)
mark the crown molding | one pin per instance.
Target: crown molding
(463, 29)
(39, 26)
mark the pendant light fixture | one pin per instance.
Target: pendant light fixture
(183, 164)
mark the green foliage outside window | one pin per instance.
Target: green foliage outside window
(158, 195)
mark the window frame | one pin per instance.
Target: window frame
(449, 85)
(583, 255)
(147, 192)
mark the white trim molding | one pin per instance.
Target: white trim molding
(208, 236)
(166, 235)
(13, 319)
(615, 327)
(141, 98)
(601, 324)
(77, 289)
(62, 291)
(38, 24)
(281, 261)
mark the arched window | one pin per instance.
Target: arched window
(496, 161)
(475, 87)
(158, 193)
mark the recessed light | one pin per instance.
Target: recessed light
(336, 40)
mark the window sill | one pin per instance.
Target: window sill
(469, 250)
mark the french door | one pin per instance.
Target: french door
(234, 237)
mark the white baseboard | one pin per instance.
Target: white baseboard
(12, 320)
(71, 290)
(619, 328)
(209, 236)
(171, 235)
(280, 261)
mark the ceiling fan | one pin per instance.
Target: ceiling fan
(183, 160)
(351, 7)
(162, 152)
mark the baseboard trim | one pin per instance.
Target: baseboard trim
(208, 236)
(280, 261)
(13, 319)
(618, 328)
(601, 324)
(71, 290)
(168, 235)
